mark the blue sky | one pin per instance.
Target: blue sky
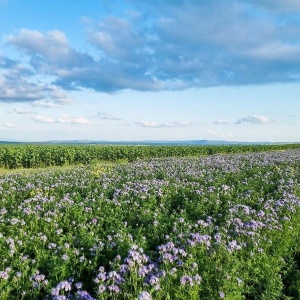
(150, 70)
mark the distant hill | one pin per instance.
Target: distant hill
(159, 143)
(143, 143)
(5, 142)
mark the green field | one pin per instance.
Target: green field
(150, 222)
(33, 156)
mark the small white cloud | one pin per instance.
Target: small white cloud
(9, 125)
(43, 119)
(212, 132)
(221, 122)
(45, 104)
(149, 124)
(74, 120)
(226, 135)
(59, 96)
(152, 124)
(183, 124)
(23, 111)
(105, 116)
(223, 135)
(255, 119)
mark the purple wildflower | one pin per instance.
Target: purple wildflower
(144, 296)
(186, 280)
(221, 295)
(4, 275)
(101, 289)
(83, 295)
(197, 278)
(114, 288)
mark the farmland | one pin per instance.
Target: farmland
(33, 156)
(174, 223)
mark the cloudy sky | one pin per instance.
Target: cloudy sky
(150, 70)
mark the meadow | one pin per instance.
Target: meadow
(221, 226)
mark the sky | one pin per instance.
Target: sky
(116, 70)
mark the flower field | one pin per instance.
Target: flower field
(213, 227)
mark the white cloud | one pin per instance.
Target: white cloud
(56, 97)
(152, 124)
(43, 119)
(45, 104)
(183, 124)
(220, 122)
(63, 119)
(15, 87)
(105, 116)
(23, 111)
(255, 119)
(74, 120)
(9, 125)
(224, 135)
(275, 51)
(116, 37)
(59, 96)
(52, 44)
(212, 132)
(18, 83)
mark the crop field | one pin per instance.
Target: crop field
(33, 156)
(209, 227)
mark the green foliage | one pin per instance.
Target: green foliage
(212, 227)
(33, 156)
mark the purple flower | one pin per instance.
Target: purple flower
(221, 295)
(78, 285)
(218, 238)
(101, 276)
(65, 257)
(168, 257)
(197, 278)
(101, 289)
(94, 221)
(186, 280)
(233, 245)
(114, 288)
(199, 239)
(4, 275)
(83, 295)
(143, 271)
(144, 296)
(123, 269)
(153, 280)
(116, 277)
(240, 281)
(63, 285)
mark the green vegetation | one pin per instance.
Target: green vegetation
(211, 227)
(33, 156)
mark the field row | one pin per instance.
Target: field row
(32, 156)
